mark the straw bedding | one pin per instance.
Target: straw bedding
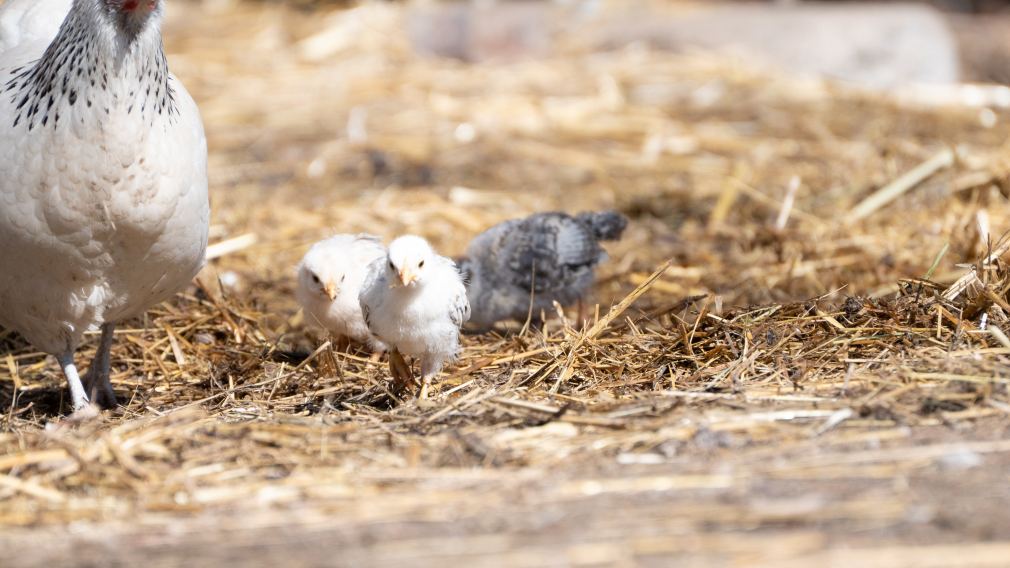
(780, 363)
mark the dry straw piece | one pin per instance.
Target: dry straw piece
(786, 369)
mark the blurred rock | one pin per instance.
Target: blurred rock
(870, 44)
(483, 31)
(985, 47)
(960, 459)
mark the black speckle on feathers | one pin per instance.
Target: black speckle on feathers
(69, 68)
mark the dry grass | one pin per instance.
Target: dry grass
(797, 378)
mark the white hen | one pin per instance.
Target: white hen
(415, 302)
(103, 176)
(26, 21)
(329, 282)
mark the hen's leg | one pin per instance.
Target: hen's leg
(78, 396)
(96, 381)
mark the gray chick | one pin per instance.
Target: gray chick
(552, 254)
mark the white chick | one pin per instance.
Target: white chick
(414, 300)
(330, 277)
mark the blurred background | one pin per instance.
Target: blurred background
(691, 117)
(973, 32)
(980, 28)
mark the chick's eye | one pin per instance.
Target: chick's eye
(420, 264)
(315, 279)
(343, 277)
(391, 264)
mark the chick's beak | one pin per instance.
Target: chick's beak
(407, 277)
(331, 290)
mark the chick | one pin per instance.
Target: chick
(330, 277)
(549, 256)
(414, 301)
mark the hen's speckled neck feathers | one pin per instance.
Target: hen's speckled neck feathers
(102, 58)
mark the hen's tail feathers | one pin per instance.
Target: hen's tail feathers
(606, 225)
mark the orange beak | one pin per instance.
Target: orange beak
(407, 277)
(331, 291)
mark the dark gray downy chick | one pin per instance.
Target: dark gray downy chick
(553, 254)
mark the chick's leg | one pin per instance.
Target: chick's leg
(431, 366)
(378, 349)
(398, 368)
(78, 396)
(96, 381)
(341, 343)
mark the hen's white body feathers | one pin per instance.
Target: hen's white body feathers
(23, 22)
(103, 173)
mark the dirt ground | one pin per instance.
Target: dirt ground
(931, 496)
(806, 383)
